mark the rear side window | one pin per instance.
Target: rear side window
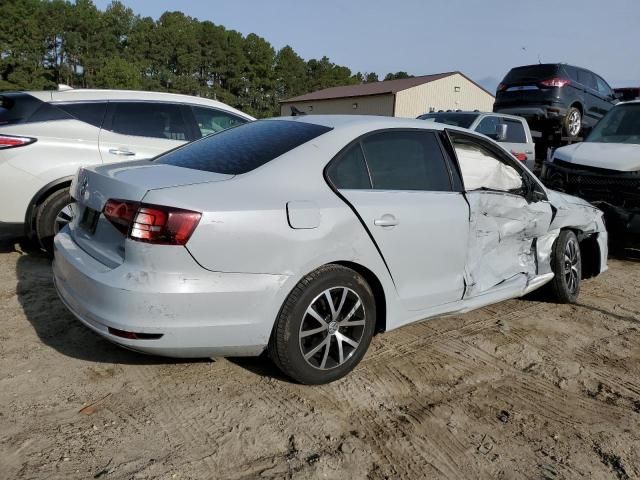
(244, 148)
(146, 119)
(210, 120)
(515, 131)
(531, 73)
(349, 172)
(406, 160)
(587, 79)
(91, 113)
(23, 108)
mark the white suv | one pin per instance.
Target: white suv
(46, 136)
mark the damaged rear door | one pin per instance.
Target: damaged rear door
(509, 211)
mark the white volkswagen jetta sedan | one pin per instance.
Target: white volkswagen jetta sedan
(46, 136)
(307, 235)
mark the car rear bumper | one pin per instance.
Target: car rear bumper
(195, 313)
(534, 113)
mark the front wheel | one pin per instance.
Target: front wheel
(325, 326)
(566, 262)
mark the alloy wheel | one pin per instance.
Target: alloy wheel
(574, 123)
(64, 216)
(571, 260)
(332, 328)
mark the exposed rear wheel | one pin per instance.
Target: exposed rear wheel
(573, 122)
(566, 262)
(54, 213)
(325, 326)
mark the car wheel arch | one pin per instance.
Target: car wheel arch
(370, 277)
(589, 252)
(579, 106)
(378, 292)
(40, 196)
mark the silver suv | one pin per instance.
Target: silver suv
(46, 136)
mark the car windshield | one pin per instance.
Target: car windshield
(457, 119)
(620, 125)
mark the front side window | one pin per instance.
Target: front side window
(406, 160)
(482, 169)
(515, 131)
(146, 119)
(211, 120)
(349, 171)
(620, 125)
(603, 88)
(244, 148)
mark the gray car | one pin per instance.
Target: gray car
(305, 236)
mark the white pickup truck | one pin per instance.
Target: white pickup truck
(511, 131)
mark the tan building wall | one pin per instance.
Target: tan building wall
(443, 95)
(370, 105)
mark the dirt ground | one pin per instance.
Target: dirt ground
(521, 389)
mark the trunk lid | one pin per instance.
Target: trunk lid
(130, 181)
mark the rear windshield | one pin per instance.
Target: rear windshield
(531, 73)
(243, 148)
(463, 120)
(24, 108)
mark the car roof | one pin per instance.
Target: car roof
(471, 112)
(373, 122)
(82, 94)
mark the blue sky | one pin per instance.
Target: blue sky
(482, 38)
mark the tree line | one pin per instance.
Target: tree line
(46, 43)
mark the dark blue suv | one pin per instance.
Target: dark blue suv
(555, 95)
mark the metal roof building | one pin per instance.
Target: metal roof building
(407, 97)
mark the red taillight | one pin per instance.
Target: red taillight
(152, 223)
(501, 87)
(120, 213)
(555, 82)
(11, 141)
(519, 155)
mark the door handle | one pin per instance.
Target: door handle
(387, 220)
(120, 151)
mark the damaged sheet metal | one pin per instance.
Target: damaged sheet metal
(503, 228)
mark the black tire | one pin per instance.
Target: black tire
(572, 123)
(288, 345)
(46, 217)
(565, 286)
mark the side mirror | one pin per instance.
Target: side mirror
(501, 132)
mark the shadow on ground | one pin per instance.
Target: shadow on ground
(54, 324)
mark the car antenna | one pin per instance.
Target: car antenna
(295, 112)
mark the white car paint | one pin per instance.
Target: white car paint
(63, 146)
(434, 253)
(624, 157)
